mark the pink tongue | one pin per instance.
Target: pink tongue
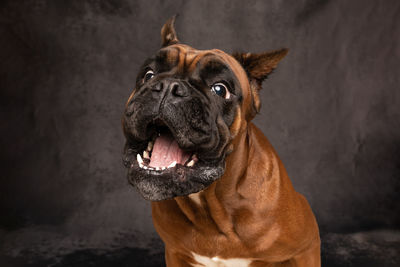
(166, 150)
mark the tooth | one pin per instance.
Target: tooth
(191, 163)
(139, 159)
(141, 164)
(172, 165)
(163, 168)
(150, 146)
(144, 167)
(146, 154)
(157, 168)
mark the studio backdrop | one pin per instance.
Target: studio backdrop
(331, 110)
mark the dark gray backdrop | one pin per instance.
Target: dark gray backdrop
(331, 110)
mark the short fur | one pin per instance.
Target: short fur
(249, 213)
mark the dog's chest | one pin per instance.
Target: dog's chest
(218, 262)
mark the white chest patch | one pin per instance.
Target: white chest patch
(218, 262)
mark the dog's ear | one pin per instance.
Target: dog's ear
(258, 67)
(168, 33)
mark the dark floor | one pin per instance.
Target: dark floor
(366, 249)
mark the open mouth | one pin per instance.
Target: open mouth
(163, 152)
(168, 165)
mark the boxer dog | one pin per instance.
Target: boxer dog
(220, 194)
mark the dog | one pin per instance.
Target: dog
(220, 194)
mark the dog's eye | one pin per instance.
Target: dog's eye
(149, 74)
(221, 90)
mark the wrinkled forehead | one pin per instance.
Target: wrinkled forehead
(185, 59)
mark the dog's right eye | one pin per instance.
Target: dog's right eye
(149, 74)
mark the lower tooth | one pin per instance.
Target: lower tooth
(190, 164)
(139, 159)
(172, 164)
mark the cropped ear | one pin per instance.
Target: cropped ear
(168, 34)
(258, 67)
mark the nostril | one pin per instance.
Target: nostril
(177, 89)
(158, 87)
(174, 87)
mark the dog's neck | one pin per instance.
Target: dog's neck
(232, 195)
(257, 186)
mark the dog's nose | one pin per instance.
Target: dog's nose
(174, 87)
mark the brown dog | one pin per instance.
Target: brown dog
(221, 196)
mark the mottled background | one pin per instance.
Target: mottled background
(331, 110)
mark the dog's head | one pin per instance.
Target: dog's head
(184, 113)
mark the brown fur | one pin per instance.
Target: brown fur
(252, 211)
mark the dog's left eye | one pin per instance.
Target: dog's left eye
(221, 90)
(149, 74)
